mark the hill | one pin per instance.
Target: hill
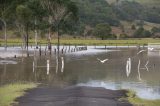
(144, 2)
(117, 14)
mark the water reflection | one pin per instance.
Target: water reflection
(139, 74)
(142, 89)
(62, 68)
(128, 67)
(83, 68)
(48, 67)
(7, 62)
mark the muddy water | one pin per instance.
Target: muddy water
(84, 69)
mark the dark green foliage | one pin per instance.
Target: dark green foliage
(123, 36)
(92, 12)
(155, 30)
(142, 33)
(127, 10)
(131, 10)
(89, 13)
(133, 27)
(103, 31)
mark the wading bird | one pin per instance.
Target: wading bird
(102, 61)
(150, 49)
(141, 52)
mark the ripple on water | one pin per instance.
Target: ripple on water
(7, 62)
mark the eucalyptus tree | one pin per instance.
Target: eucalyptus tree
(102, 30)
(4, 9)
(38, 13)
(24, 16)
(58, 12)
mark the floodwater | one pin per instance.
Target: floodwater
(124, 68)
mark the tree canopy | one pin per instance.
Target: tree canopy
(102, 30)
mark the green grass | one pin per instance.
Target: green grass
(136, 101)
(8, 93)
(129, 42)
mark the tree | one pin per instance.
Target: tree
(87, 31)
(4, 8)
(58, 12)
(155, 30)
(24, 15)
(133, 27)
(138, 33)
(38, 14)
(142, 33)
(102, 30)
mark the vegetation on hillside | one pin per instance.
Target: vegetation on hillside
(79, 18)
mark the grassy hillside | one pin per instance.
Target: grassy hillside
(146, 2)
(128, 30)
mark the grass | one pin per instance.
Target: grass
(136, 101)
(127, 42)
(8, 93)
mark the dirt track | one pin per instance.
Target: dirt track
(72, 96)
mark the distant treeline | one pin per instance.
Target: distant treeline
(90, 13)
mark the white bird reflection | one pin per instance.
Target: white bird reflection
(33, 67)
(57, 64)
(128, 67)
(147, 66)
(62, 68)
(48, 67)
(139, 74)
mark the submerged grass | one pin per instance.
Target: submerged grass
(136, 101)
(8, 93)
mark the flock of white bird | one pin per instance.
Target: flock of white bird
(128, 65)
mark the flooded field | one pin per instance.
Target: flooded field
(112, 68)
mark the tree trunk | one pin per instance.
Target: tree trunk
(49, 34)
(5, 34)
(36, 32)
(102, 38)
(58, 39)
(49, 39)
(27, 39)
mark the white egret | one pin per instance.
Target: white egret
(102, 61)
(150, 49)
(141, 52)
